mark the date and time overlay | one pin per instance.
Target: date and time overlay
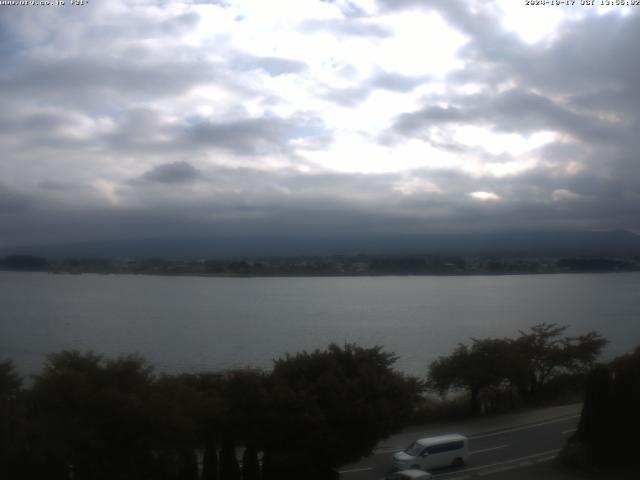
(44, 3)
(552, 3)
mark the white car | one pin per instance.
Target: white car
(409, 475)
(433, 452)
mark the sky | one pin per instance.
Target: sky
(241, 118)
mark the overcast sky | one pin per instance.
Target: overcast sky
(144, 118)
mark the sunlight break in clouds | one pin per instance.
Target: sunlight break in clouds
(484, 196)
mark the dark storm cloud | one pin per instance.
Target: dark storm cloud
(248, 136)
(514, 111)
(150, 132)
(247, 201)
(12, 202)
(345, 27)
(62, 186)
(171, 173)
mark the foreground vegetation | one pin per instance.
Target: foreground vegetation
(607, 435)
(89, 418)
(85, 417)
(542, 364)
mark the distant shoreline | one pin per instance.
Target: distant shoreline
(328, 266)
(324, 275)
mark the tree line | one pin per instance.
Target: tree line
(84, 417)
(535, 365)
(89, 418)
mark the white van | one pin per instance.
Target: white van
(433, 452)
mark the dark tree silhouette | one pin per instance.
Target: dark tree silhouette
(607, 432)
(595, 421)
(210, 459)
(10, 381)
(250, 464)
(12, 421)
(331, 407)
(229, 467)
(92, 415)
(485, 363)
(528, 362)
(543, 353)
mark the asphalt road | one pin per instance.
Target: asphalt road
(509, 443)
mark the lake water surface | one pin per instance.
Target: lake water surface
(198, 323)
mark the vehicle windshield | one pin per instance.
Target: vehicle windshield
(414, 449)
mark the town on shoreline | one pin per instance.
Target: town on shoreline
(330, 265)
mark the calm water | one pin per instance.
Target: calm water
(191, 324)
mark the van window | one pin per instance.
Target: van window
(445, 447)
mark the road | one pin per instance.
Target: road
(496, 445)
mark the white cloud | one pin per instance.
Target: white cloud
(484, 196)
(533, 23)
(499, 143)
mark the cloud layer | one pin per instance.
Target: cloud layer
(315, 117)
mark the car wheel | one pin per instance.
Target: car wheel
(458, 462)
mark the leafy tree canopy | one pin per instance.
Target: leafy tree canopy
(339, 402)
(528, 362)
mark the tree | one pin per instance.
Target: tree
(250, 464)
(331, 407)
(483, 364)
(543, 353)
(174, 403)
(210, 459)
(10, 381)
(92, 415)
(610, 418)
(595, 420)
(229, 467)
(529, 362)
(12, 421)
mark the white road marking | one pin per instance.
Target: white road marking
(545, 459)
(513, 461)
(488, 449)
(492, 434)
(354, 470)
(524, 427)
(496, 470)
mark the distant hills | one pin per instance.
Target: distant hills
(517, 244)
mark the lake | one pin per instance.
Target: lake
(211, 323)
